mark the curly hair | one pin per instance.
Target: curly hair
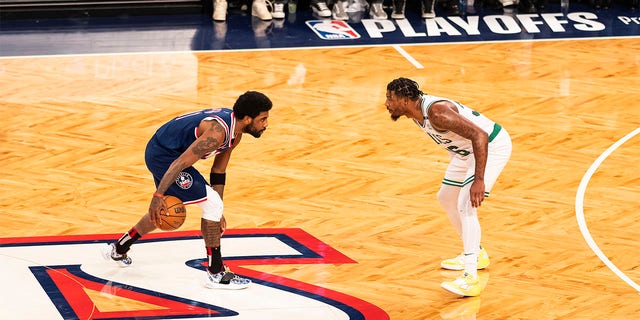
(404, 87)
(251, 103)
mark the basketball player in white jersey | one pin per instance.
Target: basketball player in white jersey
(479, 149)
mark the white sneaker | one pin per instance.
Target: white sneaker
(321, 9)
(219, 10)
(109, 253)
(278, 11)
(260, 9)
(226, 280)
(338, 12)
(377, 11)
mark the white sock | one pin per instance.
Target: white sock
(471, 264)
(471, 239)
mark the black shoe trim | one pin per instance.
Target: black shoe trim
(227, 277)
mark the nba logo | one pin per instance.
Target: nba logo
(332, 29)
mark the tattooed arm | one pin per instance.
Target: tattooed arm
(212, 136)
(444, 115)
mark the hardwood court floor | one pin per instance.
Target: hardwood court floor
(332, 163)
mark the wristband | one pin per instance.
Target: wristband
(217, 178)
(160, 195)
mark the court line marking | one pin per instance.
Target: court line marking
(580, 209)
(408, 57)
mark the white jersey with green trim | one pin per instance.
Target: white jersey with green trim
(455, 144)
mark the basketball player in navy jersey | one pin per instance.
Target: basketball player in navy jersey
(478, 148)
(170, 155)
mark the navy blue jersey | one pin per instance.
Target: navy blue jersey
(173, 138)
(179, 133)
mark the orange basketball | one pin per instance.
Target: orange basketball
(175, 215)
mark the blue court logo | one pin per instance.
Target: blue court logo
(332, 29)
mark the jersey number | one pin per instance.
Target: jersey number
(440, 140)
(461, 152)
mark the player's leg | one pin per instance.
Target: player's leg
(458, 175)
(117, 251)
(157, 161)
(474, 256)
(468, 283)
(471, 232)
(144, 226)
(218, 276)
(448, 199)
(497, 158)
(450, 189)
(211, 232)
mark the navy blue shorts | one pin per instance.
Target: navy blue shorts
(190, 184)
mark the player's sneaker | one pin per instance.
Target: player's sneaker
(465, 285)
(109, 253)
(457, 263)
(225, 280)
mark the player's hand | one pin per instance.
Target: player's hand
(223, 225)
(477, 193)
(156, 208)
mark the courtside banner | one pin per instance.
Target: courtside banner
(573, 20)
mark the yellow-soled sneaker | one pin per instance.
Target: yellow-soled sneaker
(465, 285)
(457, 263)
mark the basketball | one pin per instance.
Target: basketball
(175, 215)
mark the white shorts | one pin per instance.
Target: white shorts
(460, 172)
(212, 207)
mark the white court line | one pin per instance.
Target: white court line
(580, 209)
(408, 57)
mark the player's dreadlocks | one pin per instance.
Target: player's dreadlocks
(404, 87)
